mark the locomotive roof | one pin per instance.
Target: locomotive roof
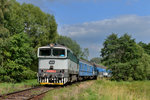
(55, 45)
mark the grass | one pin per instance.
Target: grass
(102, 90)
(11, 87)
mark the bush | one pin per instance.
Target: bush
(13, 72)
(29, 74)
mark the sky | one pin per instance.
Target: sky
(89, 22)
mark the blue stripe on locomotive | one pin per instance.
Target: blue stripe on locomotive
(85, 69)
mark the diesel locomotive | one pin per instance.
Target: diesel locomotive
(58, 65)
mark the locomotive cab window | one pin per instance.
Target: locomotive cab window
(45, 52)
(59, 52)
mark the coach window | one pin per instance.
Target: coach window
(80, 65)
(45, 52)
(88, 68)
(59, 52)
(84, 66)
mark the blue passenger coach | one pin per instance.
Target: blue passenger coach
(87, 70)
(102, 71)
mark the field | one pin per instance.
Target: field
(10, 87)
(102, 90)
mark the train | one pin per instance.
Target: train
(102, 71)
(58, 65)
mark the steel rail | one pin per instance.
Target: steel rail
(22, 93)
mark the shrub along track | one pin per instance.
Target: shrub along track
(34, 93)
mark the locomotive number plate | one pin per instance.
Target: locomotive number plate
(51, 71)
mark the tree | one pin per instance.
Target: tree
(23, 28)
(13, 72)
(40, 27)
(96, 60)
(110, 46)
(85, 54)
(18, 56)
(146, 47)
(125, 58)
(67, 41)
(20, 50)
(4, 10)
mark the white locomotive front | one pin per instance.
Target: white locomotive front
(57, 65)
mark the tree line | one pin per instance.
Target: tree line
(126, 59)
(24, 28)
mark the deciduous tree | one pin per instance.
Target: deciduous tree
(125, 58)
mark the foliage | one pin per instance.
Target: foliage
(4, 11)
(96, 60)
(67, 41)
(41, 27)
(74, 46)
(20, 49)
(85, 54)
(13, 72)
(23, 28)
(125, 58)
(146, 47)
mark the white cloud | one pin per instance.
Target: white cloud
(92, 34)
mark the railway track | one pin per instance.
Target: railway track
(34, 93)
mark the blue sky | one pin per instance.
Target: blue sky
(89, 22)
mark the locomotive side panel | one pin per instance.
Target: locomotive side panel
(73, 67)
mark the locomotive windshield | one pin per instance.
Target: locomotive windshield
(52, 52)
(59, 52)
(45, 52)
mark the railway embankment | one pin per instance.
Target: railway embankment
(89, 90)
(102, 90)
(12, 87)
